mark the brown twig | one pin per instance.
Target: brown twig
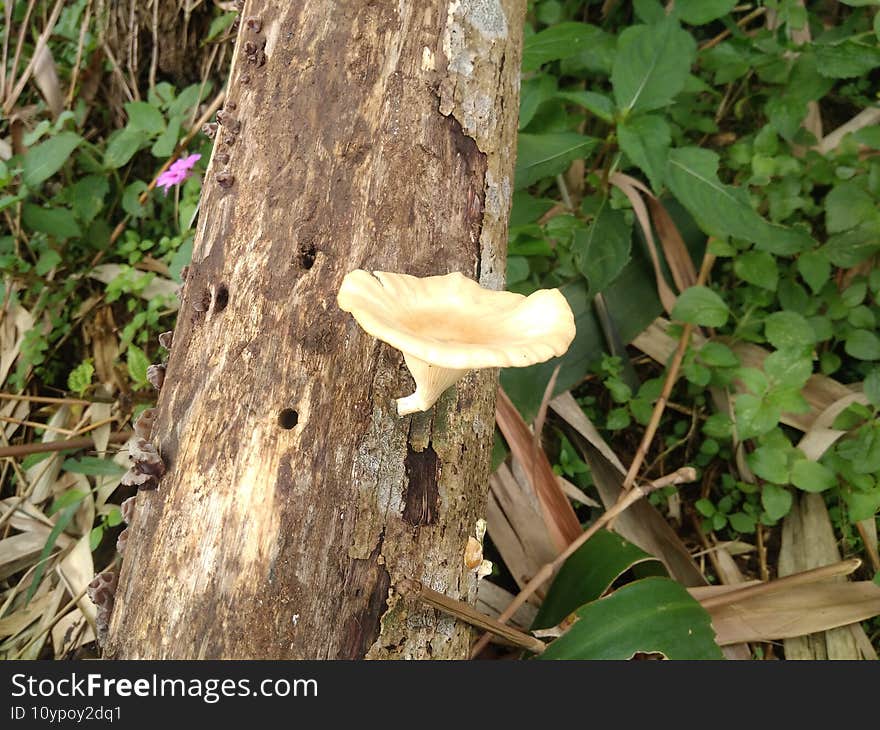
(870, 546)
(467, 613)
(119, 437)
(682, 476)
(743, 21)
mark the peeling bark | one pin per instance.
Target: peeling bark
(365, 134)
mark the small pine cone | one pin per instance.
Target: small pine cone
(156, 376)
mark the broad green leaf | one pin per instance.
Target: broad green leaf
(219, 25)
(863, 345)
(788, 329)
(850, 248)
(790, 366)
(786, 108)
(700, 12)
(66, 499)
(718, 355)
(517, 269)
(770, 463)
(847, 206)
(645, 139)
(57, 222)
(123, 145)
(546, 155)
(811, 476)
(602, 249)
(815, 269)
(87, 195)
(557, 42)
(862, 505)
(847, 59)
(776, 501)
(758, 268)
(96, 535)
(533, 92)
(755, 416)
(652, 64)
(48, 260)
(131, 199)
(167, 141)
(741, 522)
(137, 364)
(44, 160)
(528, 209)
(93, 466)
(723, 210)
(595, 103)
(653, 615)
(145, 117)
(588, 573)
(701, 306)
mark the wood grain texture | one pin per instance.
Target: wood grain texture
(364, 134)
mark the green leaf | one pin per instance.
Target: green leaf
(653, 615)
(144, 117)
(700, 12)
(80, 378)
(755, 416)
(872, 387)
(758, 268)
(49, 259)
(87, 195)
(790, 366)
(123, 145)
(93, 466)
(602, 250)
(219, 25)
(847, 206)
(589, 573)
(645, 139)
(557, 42)
(788, 329)
(815, 269)
(546, 155)
(847, 59)
(741, 522)
(705, 507)
(131, 199)
(863, 345)
(701, 306)
(167, 141)
(114, 517)
(724, 210)
(652, 64)
(57, 222)
(770, 463)
(776, 501)
(811, 476)
(718, 355)
(137, 364)
(862, 505)
(44, 160)
(595, 103)
(850, 248)
(532, 93)
(66, 499)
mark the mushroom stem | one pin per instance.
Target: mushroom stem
(430, 380)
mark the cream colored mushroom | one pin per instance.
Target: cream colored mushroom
(448, 325)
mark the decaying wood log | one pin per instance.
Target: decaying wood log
(376, 135)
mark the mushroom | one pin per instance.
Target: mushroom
(447, 325)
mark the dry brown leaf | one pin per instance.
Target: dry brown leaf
(557, 511)
(667, 297)
(69, 634)
(797, 611)
(14, 325)
(158, 286)
(516, 527)
(677, 256)
(567, 408)
(17, 622)
(76, 570)
(46, 79)
(492, 600)
(576, 493)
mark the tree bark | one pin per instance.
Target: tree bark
(364, 134)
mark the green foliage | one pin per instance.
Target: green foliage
(719, 132)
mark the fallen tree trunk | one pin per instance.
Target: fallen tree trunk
(375, 135)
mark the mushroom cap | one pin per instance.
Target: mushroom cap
(451, 321)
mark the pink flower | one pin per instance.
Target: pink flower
(178, 172)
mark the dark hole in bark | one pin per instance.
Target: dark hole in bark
(422, 499)
(288, 418)
(222, 298)
(307, 254)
